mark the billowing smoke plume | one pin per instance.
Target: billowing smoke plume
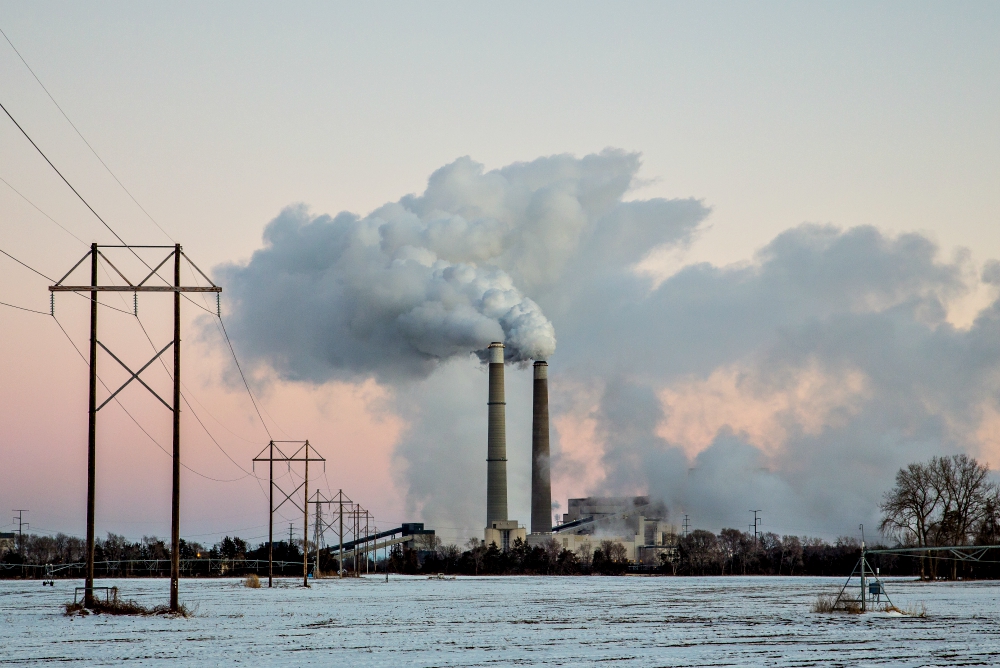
(796, 382)
(376, 295)
(428, 278)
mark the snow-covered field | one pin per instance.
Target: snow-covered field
(558, 621)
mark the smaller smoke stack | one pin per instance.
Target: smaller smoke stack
(541, 481)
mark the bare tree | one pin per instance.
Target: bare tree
(617, 553)
(586, 552)
(909, 507)
(791, 553)
(942, 502)
(730, 546)
(700, 552)
(477, 552)
(962, 483)
(552, 550)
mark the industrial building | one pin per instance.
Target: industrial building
(632, 521)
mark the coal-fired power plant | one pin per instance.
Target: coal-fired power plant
(541, 482)
(496, 456)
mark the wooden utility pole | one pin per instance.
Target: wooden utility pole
(318, 523)
(270, 518)
(175, 514)
(88, 596)
(305, 524)
(302, 454)
(95, 254)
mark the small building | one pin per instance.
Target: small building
(8, 542)
(504, 533)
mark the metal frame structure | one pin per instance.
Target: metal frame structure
(339, 500)
(300, 455)
(872, 586)
(354, 512)
(956, 552)
(95, 254)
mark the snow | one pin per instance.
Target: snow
(530, 621)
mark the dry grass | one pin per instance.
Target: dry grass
(116, 606)
(827, 603)
(915, 610)
(252, 582)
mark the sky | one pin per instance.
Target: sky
(762, 235)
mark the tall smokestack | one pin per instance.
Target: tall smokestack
(541, 481)
(496, 454)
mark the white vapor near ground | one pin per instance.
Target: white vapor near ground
(796, 382)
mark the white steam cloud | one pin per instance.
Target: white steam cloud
(797, 382)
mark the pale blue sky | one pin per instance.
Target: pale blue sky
(773, 113)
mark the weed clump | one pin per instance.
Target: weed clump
(252, 581)
(916, 610)
(116, 606)
(827, 603)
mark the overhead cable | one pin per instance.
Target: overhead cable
(30, 268)
(21, 308)
(19, 194)
(41, 153)
(80, 134)
(117, 401)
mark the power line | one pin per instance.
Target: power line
(191, 408)
(19, 194)
(21, 308)
(29, 268)
(80, 134)
(245, 383)
(75, 192)
(110, 229)
(141, 428)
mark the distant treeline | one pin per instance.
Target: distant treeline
(730, 552)
(36, 556)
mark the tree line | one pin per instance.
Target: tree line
(946, 501)
(116, 556)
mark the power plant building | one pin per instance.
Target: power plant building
(633, 521)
